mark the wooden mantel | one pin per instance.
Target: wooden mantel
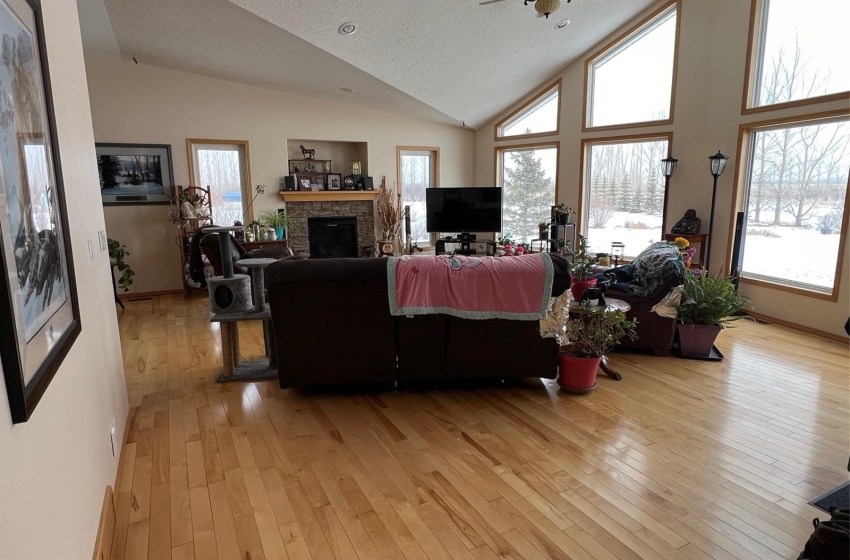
(326, 196)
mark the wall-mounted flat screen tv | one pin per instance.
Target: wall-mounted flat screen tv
(463, 209)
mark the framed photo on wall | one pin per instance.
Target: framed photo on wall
(134, 173)
(39, 313)
(334, 181)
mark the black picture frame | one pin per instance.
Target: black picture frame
(334, 181)
(33, 221)
(122, 165)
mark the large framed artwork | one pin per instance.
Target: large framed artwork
(134, 173)
(39, 314)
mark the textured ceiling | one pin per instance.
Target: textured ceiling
(441, 60)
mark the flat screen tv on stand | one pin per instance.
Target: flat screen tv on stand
(465, 211)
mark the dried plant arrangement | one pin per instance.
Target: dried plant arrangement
(390, 210)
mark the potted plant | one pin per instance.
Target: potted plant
(391, 213)
(561, 213)
(685, 248)
(543, 230)
(707, 304)
(581, 272)
(584, 333)
(277, 221)
(117, 252)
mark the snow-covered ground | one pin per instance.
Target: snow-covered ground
(635, 239)
(125, 188)
(797, 254)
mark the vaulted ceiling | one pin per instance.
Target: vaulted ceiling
(450, 61)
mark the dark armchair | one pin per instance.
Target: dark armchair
(209, 245)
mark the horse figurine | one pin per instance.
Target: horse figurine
(308, 153)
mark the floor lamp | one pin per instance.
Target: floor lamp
(718, 164)
(668, 167)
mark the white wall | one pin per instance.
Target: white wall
(54, 468)
(151, 105)
(707, 115)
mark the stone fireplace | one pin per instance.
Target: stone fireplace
(357, 205)
(332, 237)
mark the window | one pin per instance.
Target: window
(538, 117)
(418, 169)
(222, 165)
(528, 176)
(799, 53)
(795, 199)
(624, 192)
(631, 81)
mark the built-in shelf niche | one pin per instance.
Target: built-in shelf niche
(341, 154)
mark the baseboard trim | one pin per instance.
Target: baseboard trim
(106, 528)
(129, 296)
(796, 326)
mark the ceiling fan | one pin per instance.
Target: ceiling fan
(543, 7)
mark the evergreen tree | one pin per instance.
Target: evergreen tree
(528, 196)
(623, 200)
(654, 195)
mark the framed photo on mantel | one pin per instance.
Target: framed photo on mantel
(39, 314)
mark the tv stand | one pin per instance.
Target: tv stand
(465, 240)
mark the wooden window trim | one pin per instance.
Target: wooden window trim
(748, 106)
(744, 133)
(436, 150)
(612, 45)
(190, 142)
(621, 139)
(554, 86)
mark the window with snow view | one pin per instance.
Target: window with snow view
(624, 193)
(631, 81)
(797, 181)
(539, 116)
(222, 168)
(799, 54)
(528, 176)
(417, 172)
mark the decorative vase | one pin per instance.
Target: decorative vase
(696, 341)
(385, 248)
(579, 286)
(280, 231)
(249, 235)
(577, 375)
(272, 234)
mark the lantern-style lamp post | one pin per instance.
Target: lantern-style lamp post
(668, 167)
(718, 165)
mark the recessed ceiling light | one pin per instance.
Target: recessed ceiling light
(562, 24)
(346, 90)
(347, 28)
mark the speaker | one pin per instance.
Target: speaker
(368, 183)
(738, 248)
(289, 183)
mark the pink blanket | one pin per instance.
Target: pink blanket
(471, 287)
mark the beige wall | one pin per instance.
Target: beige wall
(147, 104)
(707, 115)
(54, 468)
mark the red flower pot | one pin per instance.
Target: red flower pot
(578, 287)
(695, 341)
(577, 375)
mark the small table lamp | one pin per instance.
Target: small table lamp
(618, 250)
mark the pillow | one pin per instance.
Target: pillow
(653, 266)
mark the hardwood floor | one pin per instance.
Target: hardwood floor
(681, 459)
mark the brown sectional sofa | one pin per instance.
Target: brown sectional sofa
(333, 325)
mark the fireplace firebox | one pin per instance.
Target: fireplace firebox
(332, 236)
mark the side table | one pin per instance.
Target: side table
(611, 304)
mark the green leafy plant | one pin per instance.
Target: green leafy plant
(117, 252)
(591, 333)
(258, 190)
(709, 299)
(275, 219)
(562, 209)
(582, 261)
